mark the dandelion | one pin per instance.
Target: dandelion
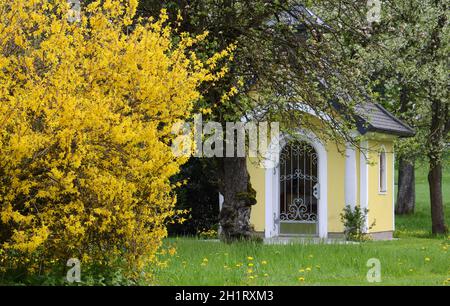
(427, 259)
(225, 267)
(301, 270)
(411, 270)
(249, 271)
(250, 258)
(251, 277)
(317, 267)
(238, 265)
(205, 259)
(266, 275)
(311, 256)
(301, 279)
(172, 251)
(308, 269)
(264, 262)
(250, 265)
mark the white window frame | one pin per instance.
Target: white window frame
(382, 181)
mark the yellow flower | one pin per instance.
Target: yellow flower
(427, 259)
(250, 258)
(301, 270)
(250, 265)
(251, 277)
(311, 256)
(249, 271)
(301, 279)
(308, 269)
(318, 267)
(264, 262)
(205, 259)
(266, 275)
(238, 265)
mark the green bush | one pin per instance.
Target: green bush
(353, 220)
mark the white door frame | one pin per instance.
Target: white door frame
(272, 174)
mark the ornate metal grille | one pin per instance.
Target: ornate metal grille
(298, 183)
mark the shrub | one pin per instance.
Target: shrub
(85, 131)
(354, 223)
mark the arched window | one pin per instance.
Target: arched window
(383, 171)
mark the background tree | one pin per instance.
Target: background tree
(403, 60)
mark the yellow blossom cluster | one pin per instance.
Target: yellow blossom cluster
(86, 110)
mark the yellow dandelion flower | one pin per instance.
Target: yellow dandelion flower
(238, 265)
(251, 277)
(427, 259)
(205, 259)
(266, 275)
(317, 267)
(264, 262)
(250, 265)
(301, 270)
(249, 271)
(250, 258)
(308, 269)
(301, 279)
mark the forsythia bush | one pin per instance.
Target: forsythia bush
(86, 111)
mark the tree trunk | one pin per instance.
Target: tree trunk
(406, 195)
(239, 196)
(437, 203)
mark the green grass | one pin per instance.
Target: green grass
(416, 258)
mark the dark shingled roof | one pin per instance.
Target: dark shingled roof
(376, 118)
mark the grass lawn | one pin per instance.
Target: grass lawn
(415, 258)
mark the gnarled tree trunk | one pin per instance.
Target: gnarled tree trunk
(406, 195)
(239, 196)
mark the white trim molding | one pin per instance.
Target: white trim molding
(393, 190)
(272, 174)
(364, 180)
(351, 185)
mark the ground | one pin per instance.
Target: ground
(416, 258)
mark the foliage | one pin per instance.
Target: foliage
(85, 130)
(354, 220)
(208, 234)
(200, 195)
